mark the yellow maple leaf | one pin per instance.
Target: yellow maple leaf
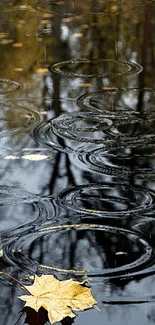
(58, 297)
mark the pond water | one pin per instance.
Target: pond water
(77, 151)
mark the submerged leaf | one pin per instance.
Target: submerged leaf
(58, 297)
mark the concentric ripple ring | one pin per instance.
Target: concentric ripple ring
(98, 161)
(120, 101)
(63, 68)
(139, 130)
(86, 127)
(108, 200)
(14, 251)
(20, 119)
(14, 195)
(7, 86)
(78, 129)
(106, 101)
(122, 162)
(74, 125)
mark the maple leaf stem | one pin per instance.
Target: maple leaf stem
(18, 282)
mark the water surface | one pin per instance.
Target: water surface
(77, 151)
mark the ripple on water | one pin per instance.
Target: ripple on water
(84, 127)
(74, 10)
(75, 132)
(119, 101)
(21, 209)
(12, 195)
(108, 131)
(121, 162)
(104, 101)
(106, 8)
(100, 161)
(100, 68)
(104, 129)
(81, 249)
(109, 200)
(136, 131)
(15, 119)
(7, 86)
(98, 129)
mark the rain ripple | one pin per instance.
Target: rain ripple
(100, 68)
(7, 86)
(80, 131)
(121, 162)
(12, 195)
(23, 209)
(107, 200)
(107, 130)
(15, 119)
(81, 249)
(119, 101)
(26, 213)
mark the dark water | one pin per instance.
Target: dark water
(77, 152)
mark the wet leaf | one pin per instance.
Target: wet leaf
(42, 70)
(18, 69)
(4, 35)
(23, 7)
(78, 35)
(58, 297)
(6, 41)
(47, 15)
(17, 45)
(85, 85)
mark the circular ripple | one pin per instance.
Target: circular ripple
(139, 161)
(121, 162)
(107, 130)
(101, 161)
(120, 101)
(49, 6)
(137, 130)
(109, 101)
(101, 101)
(14, 195)
(92, 128)
(20, 218)
(21, 211)
(15, 119)
(101, 68)
(95, 128)
(7, 86)
(82, 127)
(75, 132)
(102, 9)
(108, 200)
(79, 249)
